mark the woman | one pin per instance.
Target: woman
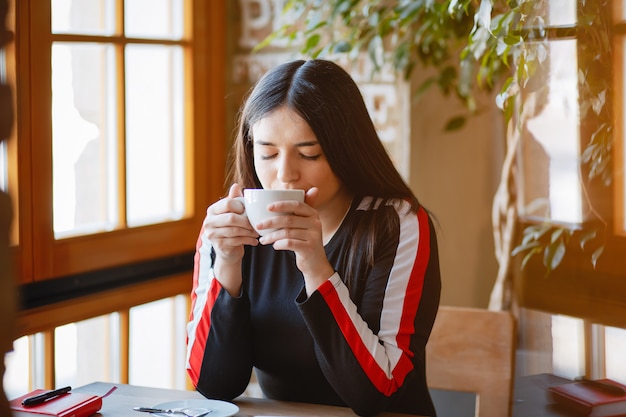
(337, 305)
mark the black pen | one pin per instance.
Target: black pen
(38, 399)
(604, 386)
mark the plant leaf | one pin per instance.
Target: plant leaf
(529, 255)
(586, 237)
(595, 255)
(553, 255)
(429, 82)
(523, 248)
(556, 235)
(312, 42)
(455, 123)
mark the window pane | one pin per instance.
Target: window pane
(3, 149)
(568, 346)
(154, 19)
(83, 136)
(3, 166)
(615, 345)
(551, 145)
(562, 12)
(154, 134)
(157, 336)
(91, 17)
(18, 370)
(85, 351)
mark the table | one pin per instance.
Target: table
(529, 400)
(530, 396)
(121, 402)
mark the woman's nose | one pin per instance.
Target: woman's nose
(287, 170)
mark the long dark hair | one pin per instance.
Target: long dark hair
(324, 95)
(329, 100)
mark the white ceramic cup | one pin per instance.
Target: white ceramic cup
(256, 200)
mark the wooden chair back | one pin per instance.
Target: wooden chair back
(473, 350)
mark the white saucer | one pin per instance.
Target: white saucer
(218, 408)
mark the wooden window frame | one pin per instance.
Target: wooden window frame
(38, 256)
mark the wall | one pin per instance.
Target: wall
(455, 175)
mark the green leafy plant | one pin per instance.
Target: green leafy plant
(404, 34)
(471, 46)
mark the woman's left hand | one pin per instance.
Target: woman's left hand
(301, 232)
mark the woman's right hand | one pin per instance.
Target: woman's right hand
(229, 230)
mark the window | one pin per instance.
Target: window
(551, 146)
(117, 149)
(571, 159)
(113, 166)
(567, 172)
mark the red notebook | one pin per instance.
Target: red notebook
(588, 400)
(72, 404)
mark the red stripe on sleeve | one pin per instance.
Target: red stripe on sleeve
(412, 299)
(350, 333)
(413, 295)
(203, 324)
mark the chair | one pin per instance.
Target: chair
(473, 350)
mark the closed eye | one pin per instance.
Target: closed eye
(268, 146)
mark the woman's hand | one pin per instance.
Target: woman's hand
(301, 232)
(229, 230)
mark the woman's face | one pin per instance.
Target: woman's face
(288, 155)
